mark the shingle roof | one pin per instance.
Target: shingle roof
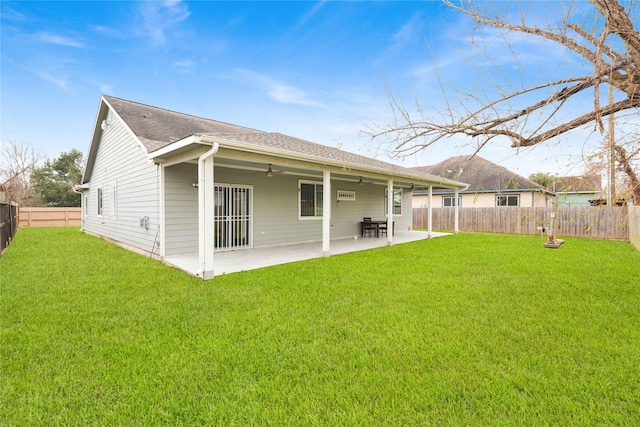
(157, 128)
(481, 174)
(579, 184)
(311, 149)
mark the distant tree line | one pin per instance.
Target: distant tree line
(29, 179)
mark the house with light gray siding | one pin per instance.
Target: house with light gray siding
(166, 184)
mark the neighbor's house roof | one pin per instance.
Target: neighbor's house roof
(579, 184)
(163, 133)
(481, 175)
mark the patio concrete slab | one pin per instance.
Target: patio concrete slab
(250, 259)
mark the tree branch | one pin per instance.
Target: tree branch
(559, 38)
(580, 121)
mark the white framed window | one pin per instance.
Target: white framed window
(508, 200)
(448, 201)
(397, 202)
(309, 200)
(112, 211)
(85, 200)
(100, 201)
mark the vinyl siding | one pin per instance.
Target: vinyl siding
(275, 208)
(121, 162)
(181, 211)
(575, 199)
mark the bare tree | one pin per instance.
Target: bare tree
(17, 161)
(607, 42)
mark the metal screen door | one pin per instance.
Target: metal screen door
(232, 217)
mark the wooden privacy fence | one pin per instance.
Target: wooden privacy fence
(634, 226)
(8, 224)
(595, 222)
(50, 217)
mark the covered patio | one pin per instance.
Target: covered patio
(251, 259)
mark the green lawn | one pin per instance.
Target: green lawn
(473, 329)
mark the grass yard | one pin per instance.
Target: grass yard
(473, 329)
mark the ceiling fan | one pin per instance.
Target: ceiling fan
(361, 182)
(270, 172)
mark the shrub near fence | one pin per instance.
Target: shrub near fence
(50, 217)
(595, 222)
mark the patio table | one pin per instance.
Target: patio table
(377, 224)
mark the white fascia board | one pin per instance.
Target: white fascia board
(252, 148)
(182, 143)
(103, 111)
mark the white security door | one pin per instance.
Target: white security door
(232, 217)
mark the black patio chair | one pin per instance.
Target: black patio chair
(383, 229)
(368, 228)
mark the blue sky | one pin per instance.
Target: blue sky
(314, 70)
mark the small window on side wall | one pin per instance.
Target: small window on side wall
(100, 198)
(448, 201)
(508, 200)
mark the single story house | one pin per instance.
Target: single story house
(489, 185)
(578, 190)
(169, 184)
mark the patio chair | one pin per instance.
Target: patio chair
(383, 229)
(368, 228)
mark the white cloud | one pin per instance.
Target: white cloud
(290, 95)
(159, 17)
(311, 13)
(60, 82)
(105, 88)
(184, 65)
(278, 91)
(57, 39)
(113, 32)
(410, 31)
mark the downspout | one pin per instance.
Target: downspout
(390, 204)
(430, 213)
(82, 205)
(201, 207)
(456, 225)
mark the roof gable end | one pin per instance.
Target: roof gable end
(481, 174)
(157, 127)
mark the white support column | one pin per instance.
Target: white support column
(206, 206)
(456, 228)
(430, 213)
(161, 214)
(326, 213)
(208, 230)
(390, 212)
